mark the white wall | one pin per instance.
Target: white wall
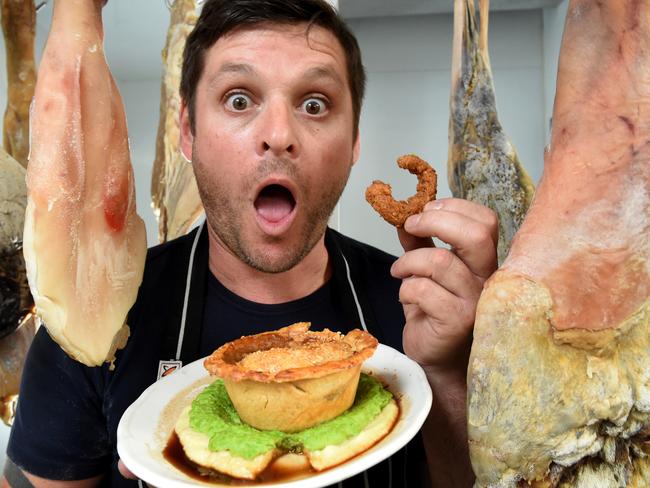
(406, 108)
(553, 28)
(142, 102)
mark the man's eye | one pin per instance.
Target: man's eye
(314, 106)
(238, 102)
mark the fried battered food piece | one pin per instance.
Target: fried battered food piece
(395, 212)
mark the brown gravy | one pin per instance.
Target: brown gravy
(274, 472)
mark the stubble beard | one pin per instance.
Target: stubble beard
(224, 207)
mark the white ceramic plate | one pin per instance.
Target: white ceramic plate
(146, 425)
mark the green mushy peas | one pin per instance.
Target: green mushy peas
(214, 415)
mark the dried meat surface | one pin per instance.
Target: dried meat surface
(15, 299)
(19, 29)
(174, 194)
(483, 165)
(559, 375)
(84, 243)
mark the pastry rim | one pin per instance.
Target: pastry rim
(218, 364)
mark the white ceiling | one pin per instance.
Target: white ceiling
(386, 8)
(135, 30)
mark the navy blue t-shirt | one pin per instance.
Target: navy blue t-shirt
(67, 416)
(224, 307)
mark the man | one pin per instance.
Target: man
(272, 94)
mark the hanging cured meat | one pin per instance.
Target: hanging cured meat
(174, 193)
(483, 165)
(559, 376)
(84, 244)
(15, 299)
(13, 349)
(18, 27)
(16, 320)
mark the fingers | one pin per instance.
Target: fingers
(440, 287)
(471, 229)
(442, 266)
(476, 211)
(439, 304)
(124, 471)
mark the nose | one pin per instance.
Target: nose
(278, 132)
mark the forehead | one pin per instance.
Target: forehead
(285, 48)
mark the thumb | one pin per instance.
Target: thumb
(124, 471)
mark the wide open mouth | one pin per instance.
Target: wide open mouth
(274, 202)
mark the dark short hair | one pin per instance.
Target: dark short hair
(219, 17)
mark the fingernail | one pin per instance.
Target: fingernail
(435, 205)
(412, 221)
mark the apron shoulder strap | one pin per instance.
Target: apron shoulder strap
(181, 344)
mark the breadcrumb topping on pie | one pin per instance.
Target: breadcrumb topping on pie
(290, 353)
(310, 353)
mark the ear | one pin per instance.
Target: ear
(186, 136)
(356, 149)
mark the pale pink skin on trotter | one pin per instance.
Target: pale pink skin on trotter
(586, 235)
(84, 242)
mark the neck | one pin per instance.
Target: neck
(257, 286)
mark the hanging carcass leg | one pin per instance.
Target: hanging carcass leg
(483, 165)
(19, 29)
(174, 194)
(15, 299)
(17, 323)
(559, 376)
(84, 244)
(16, 320)
(13, 350)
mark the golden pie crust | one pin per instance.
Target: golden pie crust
(292, 378)
(290, 353)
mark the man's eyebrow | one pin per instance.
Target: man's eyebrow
(312, 74)
(320, 72)
(232, 68)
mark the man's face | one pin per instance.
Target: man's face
(274, 140)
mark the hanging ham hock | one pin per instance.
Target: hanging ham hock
(560, 368)
(15, 299)
(19, 31)
(559, 375)
(483, 165)
(174, 194)
(84, 243)
(17, 324)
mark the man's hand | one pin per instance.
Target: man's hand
(441, 287)
(440, 290)
(15, 477)
(124, 471)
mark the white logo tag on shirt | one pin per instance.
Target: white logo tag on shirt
(165, 368)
